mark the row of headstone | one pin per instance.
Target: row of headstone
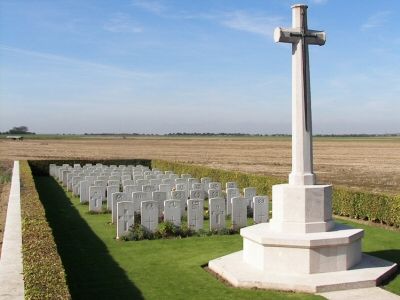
(167, 192)
(125, 211)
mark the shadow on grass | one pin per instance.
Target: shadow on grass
(91, 271)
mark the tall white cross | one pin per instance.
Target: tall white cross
(300, 37)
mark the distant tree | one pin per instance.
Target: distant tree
(19, 130)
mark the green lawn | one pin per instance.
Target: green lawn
(98, 267)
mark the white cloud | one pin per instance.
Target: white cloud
(110, 70)
(121, 23)
(376, 20)
(154, 7)
(251, 23)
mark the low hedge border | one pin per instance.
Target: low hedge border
(44, 273)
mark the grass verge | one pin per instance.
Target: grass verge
(98, 267)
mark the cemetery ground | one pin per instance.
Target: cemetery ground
(99, 267)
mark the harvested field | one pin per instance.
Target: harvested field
(371, 164)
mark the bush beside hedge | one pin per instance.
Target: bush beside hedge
(44, 274)
(354, 204)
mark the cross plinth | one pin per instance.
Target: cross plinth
(300, 37)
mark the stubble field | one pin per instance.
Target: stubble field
(369, 164)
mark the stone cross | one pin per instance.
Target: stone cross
(300, 37)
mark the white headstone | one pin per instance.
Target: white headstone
(84, 191)
(95, 198)
(195, 218)
(160, 197)
(231, 193)
(197, 194)
(239, 212)
(249, 193)
(214, 193)
(260, 209)
(116, 197)
(215, 186)
(111, 190)
(149, 219)
(217, 213)
(138, 198)
(126, 217)
(172, 211)
(231, 185)
(180, 195)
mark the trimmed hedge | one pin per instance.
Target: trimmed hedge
(354, 204)
(44, 274)
(41, 167)
(380, 208)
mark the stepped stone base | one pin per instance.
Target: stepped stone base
(368, 273)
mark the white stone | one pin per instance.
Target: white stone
(126, 217)
(103, 185)
(239, 212)
(84, 191)
(95, 198)
(127, 182)
(112, 182)
(138, 198)
(231, 185)
(129, 189)
(249, 193)
(231, 193)
(205, 181)
(149, 219)
(198, 186)
(76, 184)
(186, 176)
(261, 209)
(195, 217)
(160, 197)
(215, 193)
(197, 194)
(216, 208)
(111, 190)
(116, 197)
(149, 189)
(166, 188)
(172, 211)
(191, 181)
(169, 181)
(180, 195)
(215, 186)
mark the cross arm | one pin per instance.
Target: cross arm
(292, 35)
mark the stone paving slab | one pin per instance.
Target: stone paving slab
(366, 274)
(374, 293)
(11, 271)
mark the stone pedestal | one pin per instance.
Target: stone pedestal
(302, 249)
(302, 208)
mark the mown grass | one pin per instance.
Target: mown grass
(98, 267)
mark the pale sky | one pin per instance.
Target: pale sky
(194, 66)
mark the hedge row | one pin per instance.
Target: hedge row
(41, 167)
(354, 204)
(44, 274)
(380, 208)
